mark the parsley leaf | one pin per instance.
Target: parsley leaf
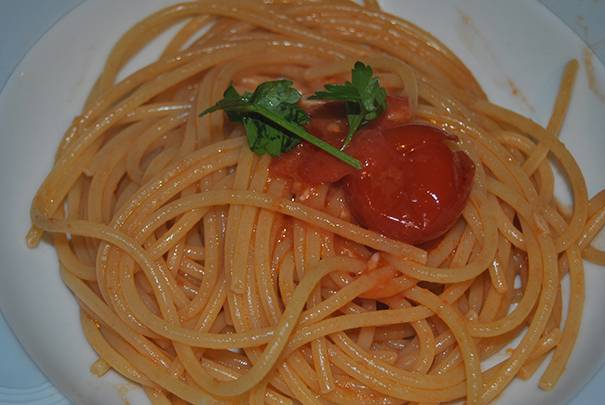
(364, 99)
(272, 119)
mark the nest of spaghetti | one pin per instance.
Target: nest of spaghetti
(204, 278)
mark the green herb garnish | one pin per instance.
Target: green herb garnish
(364, 99)
(273, 120)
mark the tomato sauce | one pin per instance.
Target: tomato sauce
(412, 185)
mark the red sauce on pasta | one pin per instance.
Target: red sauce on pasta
(412, 186)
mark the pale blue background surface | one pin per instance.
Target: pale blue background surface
(23, 22)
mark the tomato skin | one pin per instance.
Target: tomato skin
(412, 186)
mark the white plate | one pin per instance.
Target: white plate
(516, 48)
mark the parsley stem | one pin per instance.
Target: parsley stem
(354, 124)
(300, 132)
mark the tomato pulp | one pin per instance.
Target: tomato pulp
(412, 185)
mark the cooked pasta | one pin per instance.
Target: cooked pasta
(204, 278)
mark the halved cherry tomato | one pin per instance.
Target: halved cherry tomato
(412, 186)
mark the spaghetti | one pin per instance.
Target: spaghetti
(205, 279)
